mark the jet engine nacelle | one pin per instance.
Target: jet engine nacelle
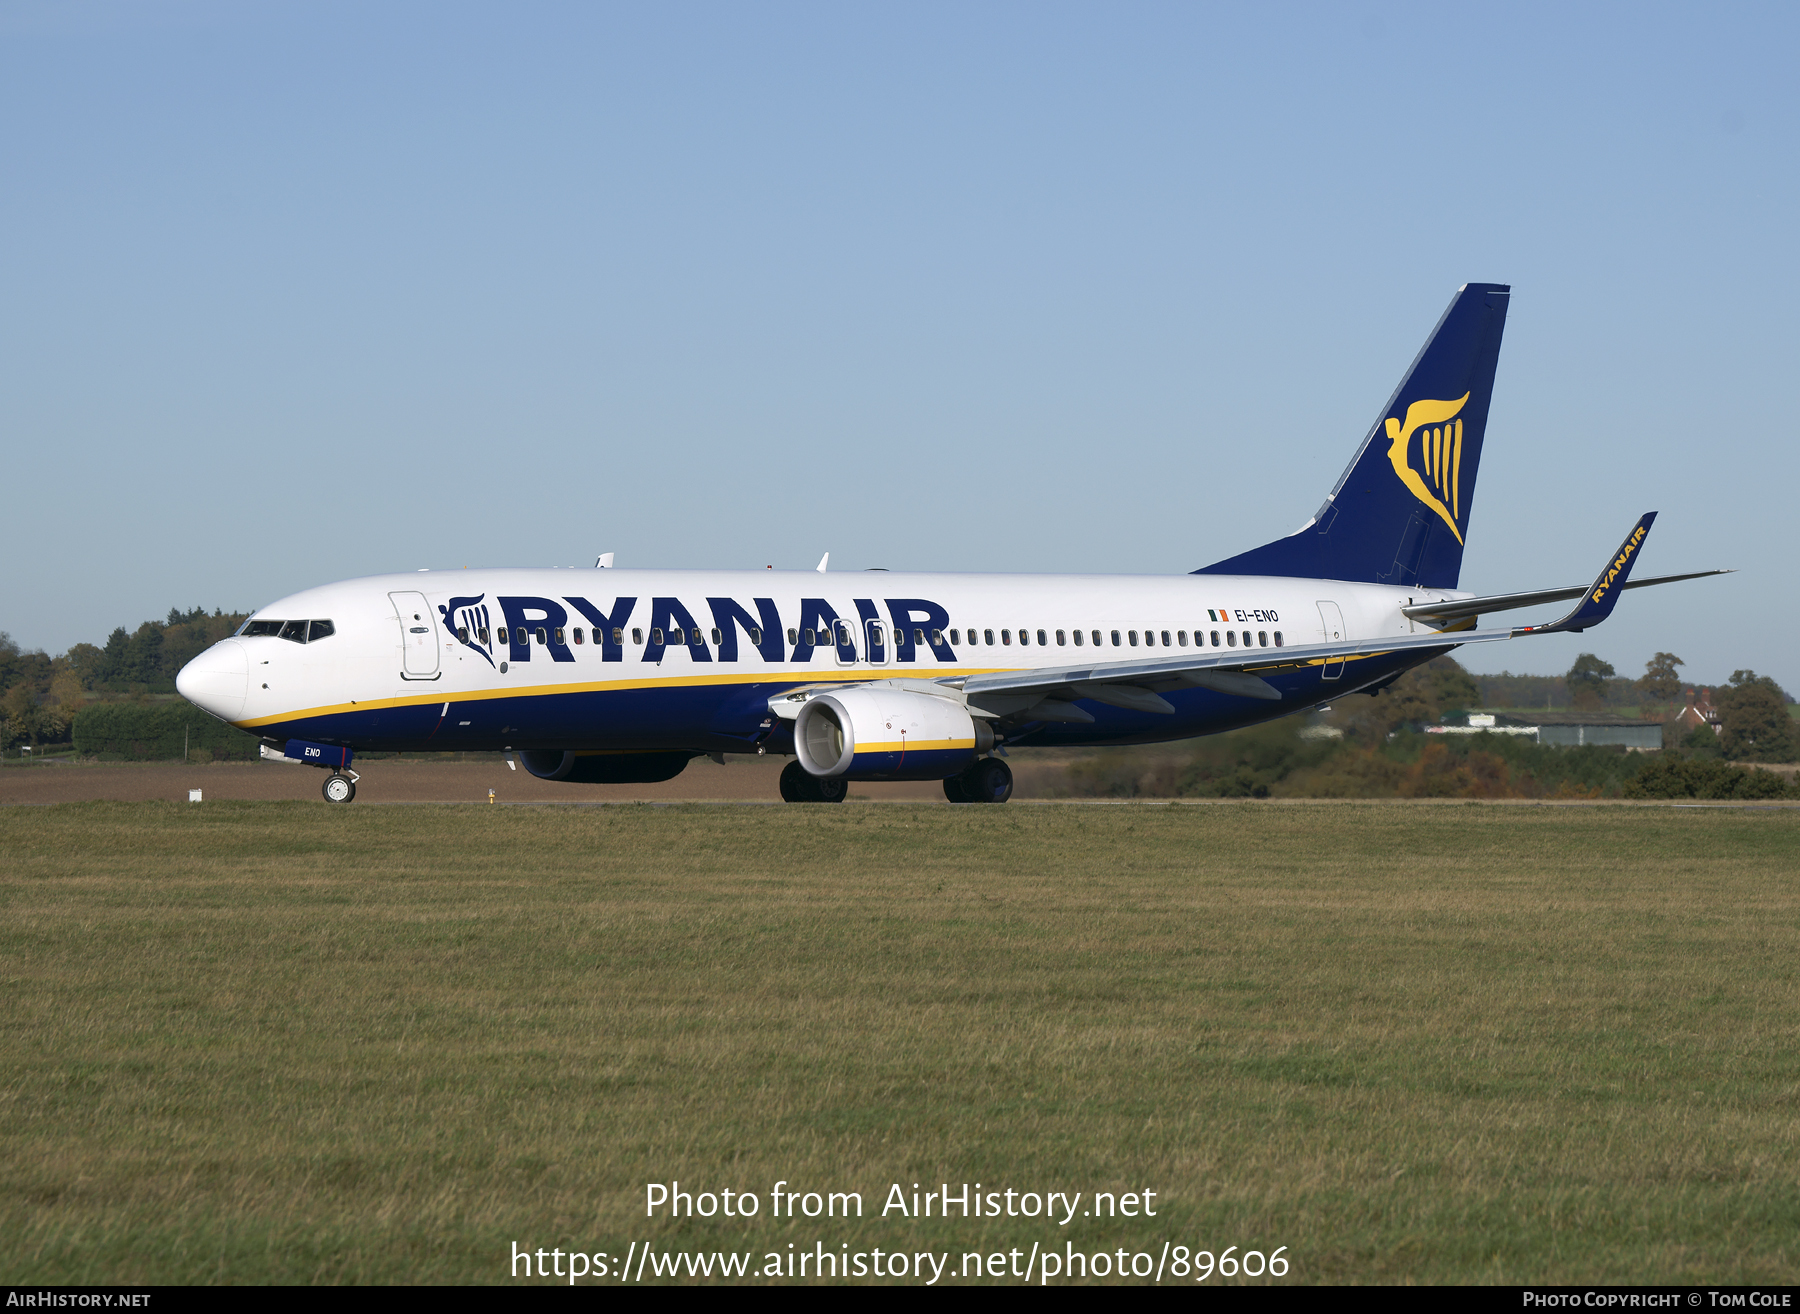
(876, 733)
(605, 768)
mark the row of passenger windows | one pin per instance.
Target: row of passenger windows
(845, 636)
(297, 631)
(1128, 638)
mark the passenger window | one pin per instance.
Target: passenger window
(715, 634)
(954, 636)
(1096, 638)
(637, 637)
(1040, 638)
(1231, 638)
(1246, 638)
(295, 631)
(1181, 637)
(559, 637)
(1262, 638)
(794, 636)
(988, 637)
(1115, 638)
(1215, 638)
(1006, 637)
(619, 635)
(937, 638)
(810, 637)
(483, 632)
(1077, 638)
(699, 640)
(656, 634)
(1024, 638)
(755, 637)
(1061, 642)
(1277, 638)
(542, 638)
(321, 629)
(503, 635)
(462, 633)
(844, 639)
(578, 634)
(1165, 638)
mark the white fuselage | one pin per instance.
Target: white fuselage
(484, 659)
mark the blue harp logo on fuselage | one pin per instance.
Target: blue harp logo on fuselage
(1435, 478)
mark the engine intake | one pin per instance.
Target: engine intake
(875, 733)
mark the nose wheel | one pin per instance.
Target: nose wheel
(339, 789)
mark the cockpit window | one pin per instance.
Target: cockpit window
(294, 631)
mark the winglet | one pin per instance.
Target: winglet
(1597, 603)
(822, 560)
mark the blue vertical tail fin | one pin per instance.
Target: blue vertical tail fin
(1400, 512)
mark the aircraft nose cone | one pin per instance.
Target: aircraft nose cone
(218, 680)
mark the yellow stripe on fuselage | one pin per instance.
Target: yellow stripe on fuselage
(613, 686)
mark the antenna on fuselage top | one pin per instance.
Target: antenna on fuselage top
(603, 561)
(822, 561)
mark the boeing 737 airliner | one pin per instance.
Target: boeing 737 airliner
(627, 675)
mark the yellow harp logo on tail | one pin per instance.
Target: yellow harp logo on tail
(1437, 482)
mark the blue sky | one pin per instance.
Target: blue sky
(291, 293)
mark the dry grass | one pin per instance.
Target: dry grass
(286, 1043)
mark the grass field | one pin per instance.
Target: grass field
(270, 1042)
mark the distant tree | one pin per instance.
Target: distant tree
(113, 657)
(24, 718)
(143, 656)
(1754, 718)
(1660, 683)
(1587, 680)
(86, 661)
(1702, 741)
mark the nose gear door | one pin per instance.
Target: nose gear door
(418, 636)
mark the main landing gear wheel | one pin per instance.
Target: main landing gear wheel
(798, 785)
(339, 789)
(987, 781)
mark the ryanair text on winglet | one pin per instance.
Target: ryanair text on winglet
(1619, 562)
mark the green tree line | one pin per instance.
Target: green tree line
(43, 698)
(1375, 747)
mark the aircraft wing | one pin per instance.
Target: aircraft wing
(1139, 684)
(1458, 608)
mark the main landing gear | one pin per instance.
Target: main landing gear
(339, 789)
(988, 780)
(798, 785)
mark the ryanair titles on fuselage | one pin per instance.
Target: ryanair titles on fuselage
(511, 625)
